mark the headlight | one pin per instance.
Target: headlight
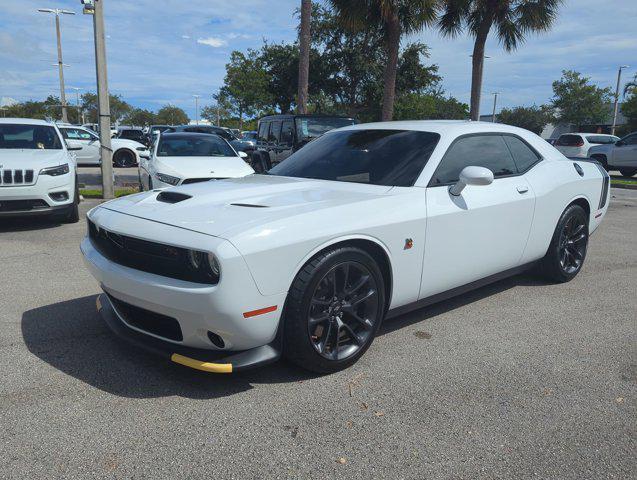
(169, 179)
(55, 171)
(206, 264)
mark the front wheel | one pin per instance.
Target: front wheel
(567, 251)
(628, 172)
(124, 159)
(334, 309)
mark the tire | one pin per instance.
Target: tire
(124, 159)
(601, 159)
(567, 251)
(628, 172)
(72, 214)
(324, 334)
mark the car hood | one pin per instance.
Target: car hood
(226, 207)
(32, 159)
(203, 167)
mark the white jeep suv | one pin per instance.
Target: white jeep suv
(37, 171)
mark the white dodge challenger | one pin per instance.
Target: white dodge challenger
(362, 224)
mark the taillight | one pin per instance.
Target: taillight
(579, 144)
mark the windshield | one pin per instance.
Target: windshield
(602, 139)
(194, 146)
(376, 157)
(31, 137)
(312, 127)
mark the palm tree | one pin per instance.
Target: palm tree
(394, 18)
(512, 19)
(631, 87)
(304, 55)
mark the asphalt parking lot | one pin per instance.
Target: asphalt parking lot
(520, 379)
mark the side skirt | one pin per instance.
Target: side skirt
(439, 297)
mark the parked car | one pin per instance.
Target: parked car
(96, 128)
(136, 134)
(182, 158)
(249, 135)
(622, 155)
(362, 224)
(88, 147)
(37, 171)
(237, 144)
(281, 135)
(577, 145)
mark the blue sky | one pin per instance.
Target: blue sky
(165, 51)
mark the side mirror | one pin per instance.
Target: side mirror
(619, 143)
(243, 155)
(471, 176)
(143, 152)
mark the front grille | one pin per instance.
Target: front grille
(151, 322)
(151, 257)
(22, 205)
(16, 177)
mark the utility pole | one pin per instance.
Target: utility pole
(58, 12)
(495, 101)
(96, 8)
(80, 114)
(619, 77)
(197, 97)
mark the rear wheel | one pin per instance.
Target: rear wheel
(124, 159)
(334, 309)
(628, 172)
(567, 251)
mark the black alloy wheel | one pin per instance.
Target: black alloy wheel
(124, 159)
(343, 311)
(334, 308)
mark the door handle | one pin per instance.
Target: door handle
(522, 189)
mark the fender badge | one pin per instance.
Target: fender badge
(408, 243)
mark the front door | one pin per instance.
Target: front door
(484, 230)
(625, 155)
(87, 141)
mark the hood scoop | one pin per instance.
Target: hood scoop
(249, 205)
(172, 197)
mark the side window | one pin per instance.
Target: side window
(263, 131)
(523, 156)
(487, 151)
(275, 132)
(630, 140)
(287, 133)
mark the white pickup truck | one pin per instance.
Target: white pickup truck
(621, 155)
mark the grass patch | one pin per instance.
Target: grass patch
(623, 181)
(97, 193)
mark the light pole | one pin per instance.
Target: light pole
(495, 101)
(197, 97)
(80, 114)
(619, 77)
(476, 93)
(96, 8)
(58, 12)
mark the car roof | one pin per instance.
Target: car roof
(188, 134)
(448, 127)
(302, 115)
(27, 121)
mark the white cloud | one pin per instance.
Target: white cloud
(185, 37)
(233, 35)
(214, 42)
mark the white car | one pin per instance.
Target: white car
(364, 223)
(621, 155)
(577, 145)
(182, 158)
(37, 171)
(126, 153)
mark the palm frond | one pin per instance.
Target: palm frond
(536, 15)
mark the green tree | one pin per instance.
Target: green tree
(49, 108)
(629, 109)
(417, 106)
(631, 86)
(532, 118)
(171, 115)
(577, 101)
(219, 112)
(281, 63)
(246, 84)
(139, 117)
(119, 108)
(511, 19)
(394, 18)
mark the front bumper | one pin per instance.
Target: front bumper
(197, 308)
(199, 359)
(38, 193)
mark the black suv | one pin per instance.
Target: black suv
(281, 135)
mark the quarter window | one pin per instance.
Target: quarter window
(275, 132)
(487, 151)
(263, 131)
(287, 133)
(523, 155)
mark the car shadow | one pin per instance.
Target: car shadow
(25, 224)
(71, 337)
